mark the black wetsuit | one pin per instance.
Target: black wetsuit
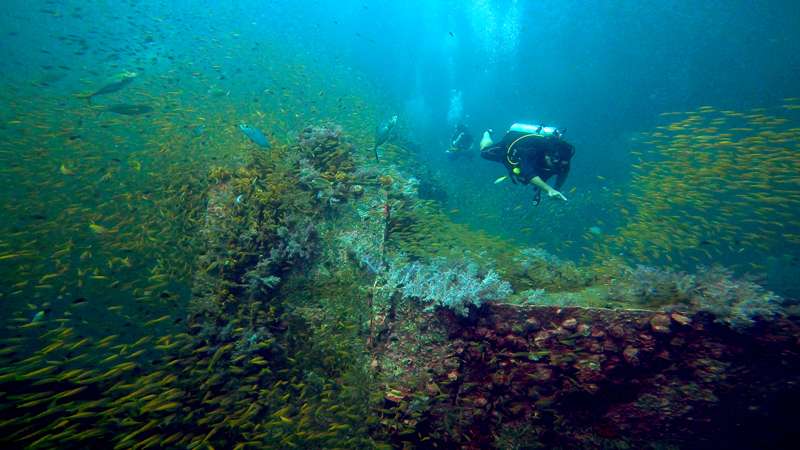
(528, 154)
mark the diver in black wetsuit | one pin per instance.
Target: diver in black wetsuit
(461, 142)
(532, 154)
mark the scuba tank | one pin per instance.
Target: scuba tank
(539, 130)
(486, 140)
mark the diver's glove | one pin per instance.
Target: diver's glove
(552, 193)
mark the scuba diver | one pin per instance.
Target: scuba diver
(382, 134)
(461, 142)
(532, 154)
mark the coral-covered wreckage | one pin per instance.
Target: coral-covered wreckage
(350, 287)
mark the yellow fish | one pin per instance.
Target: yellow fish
(65, 170)
(99, 229)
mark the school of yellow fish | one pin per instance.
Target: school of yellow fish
(712, 185)
(99, 239)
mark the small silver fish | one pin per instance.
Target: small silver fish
(501, 179)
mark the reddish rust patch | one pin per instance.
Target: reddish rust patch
(582, 378)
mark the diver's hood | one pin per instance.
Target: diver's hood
(539, 130)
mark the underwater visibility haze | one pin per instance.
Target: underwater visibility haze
(423, 224)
